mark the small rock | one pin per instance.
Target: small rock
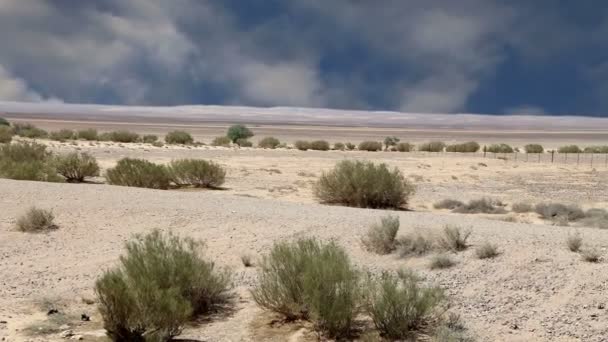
(601, 306)
(514, 326)
(84, 317)
(52, 312)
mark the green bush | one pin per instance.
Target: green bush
(302, 145)
(433, 146)
(161, 283)
(339, 146)
(319, 145)
(371, 146)
(405, 147)
(390, 141)
(89, 134)
(62, 135)
(179, 137)
(221, 141)
(454, 239)
(27, 161)
(150, 138)
(121, 136)
(569, 149)
(534, 148)
(468, 147)
(36, 220)
(350, 146)
(6, 135)
(158, 144)
(499, 148)
(4, 122)
(236, 132)
(307, 279)
(364, 185)
(75, 167)
(138, 173)
(28, 130)
(380, 238)
(197, 172)
(400, 306)
(269, 142)
(551, 211)
(596, 149)
(244, 143)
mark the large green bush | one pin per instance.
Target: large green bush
(75, 166)
(319, 145)
(161, 283)
(89, 134)
(468, 147)
(371, 146)
(433, 146)
(221, 141)
(28, 130)
(405, 147)
(596, 149)
(534, 148)
(121, 136)
(236, 132)
(138, 173)
(197, 172)
(269, 142)
(569, 149)
(390, 141)
(62, 135)
(150, 138)
(179, 137)
(499, 148)
(27, 161)
(302, 145)
(6, 134)
(363, 184)
(310, 280)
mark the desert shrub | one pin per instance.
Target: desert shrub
(371, 146)
(591, 255)
(339, 146)
(522, 207)
(6, 135)
(400, 305)
(319, 145)
(550, 211)
(499, 148)
(158, 144)
(390, 141)
(597, 218)
(244, 143)
(405, 147)
(454, 239)
(574, 242)
(62, 135)
(36, 220)
(350, 146)
(196, 172)
(28, 130)
(121, 136)
(221, 141)
(310, 280)
(89, 134)
(75, 167)
(414, 244)
(450, 204)
(433, 146)
(380, 238)
(160, 283)
(236, 132)
(441, 261)
(467, 147)
(482, 205)
(150, 138)
(27, 161)
(486, 251)
(4, 122)
(179, 137)
(596, 149)
(302, 145)
(269, 142)
(138, 173)
(569, 149)
(364, 185)
(246, 260)
(534, 148)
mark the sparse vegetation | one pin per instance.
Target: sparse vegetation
(244, 143)
(6, 135)
(390, 142)
(269, 142)
(121, 136)
(89, 134)
(36, 220)
(405, 147)
(319, 145)
(450, 204)
(522, 207)
(500, 148)
(534, 148)
(597, 218)
(482, 205)
(4, 122)
(415, 244)
(196, 172)
(246, 260)
(380, 238)
(433, 146)
(138, 173)
(307, 279)
(468, 147)
(302, 145)
(596, 149)
(591, 255)
(75, 167)
(371, 146)
(554, 211)
(569, 149)
(179, 137)
(350, 146)
(454, 239)
(365, 185)
(161, 283)
(339, 146)
(574, 242)
(441, 261)
(150, 138)
(236, 132)
(221, 141)
(27, 161)
(400, 305)
(28, 130)
(486, 250)
(62, 135)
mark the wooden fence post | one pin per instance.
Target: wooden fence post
(552, 154)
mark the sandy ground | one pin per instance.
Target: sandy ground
(536, 290)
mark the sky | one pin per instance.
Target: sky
(426, 56)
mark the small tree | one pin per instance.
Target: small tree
(236, 132)
(390, 141)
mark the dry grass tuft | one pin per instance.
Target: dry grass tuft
(36, 220)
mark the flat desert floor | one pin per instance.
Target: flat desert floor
(535, 290)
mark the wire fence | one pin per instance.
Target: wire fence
(593, 160)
